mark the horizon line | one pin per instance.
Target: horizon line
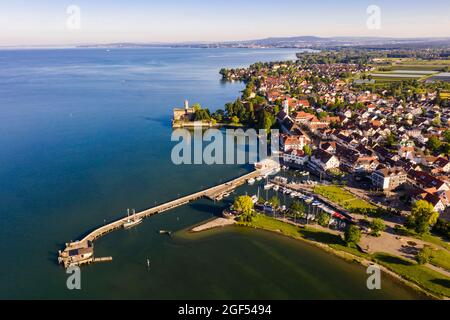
(205, 42)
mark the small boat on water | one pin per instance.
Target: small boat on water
(268, 186)
(226, 195)
(309, 200)
(132, 220)
(251, 181)
(276, 188)
(169, 233)
(255, 199)
(259, 178)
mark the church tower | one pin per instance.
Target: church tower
(286, 106)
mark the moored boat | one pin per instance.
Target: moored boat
(132, 220)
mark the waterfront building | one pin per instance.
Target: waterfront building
(185, 114)
(389, 179)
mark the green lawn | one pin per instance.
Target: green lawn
(332, 240)
(403, 231)
(434, 240)
(264, 222)
(342, 197)
(421, 275)
(308, 233)
(441, 258)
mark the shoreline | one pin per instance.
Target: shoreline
(361, 261)
(220, 223)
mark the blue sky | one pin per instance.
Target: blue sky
(43, 22)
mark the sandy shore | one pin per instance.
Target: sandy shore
(216, 223)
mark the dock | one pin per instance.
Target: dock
(82, 251)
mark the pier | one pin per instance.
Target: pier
(81, 252)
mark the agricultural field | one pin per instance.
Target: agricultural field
(394, 69)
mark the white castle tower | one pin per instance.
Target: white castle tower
(186, 105)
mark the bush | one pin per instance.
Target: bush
(377, 226)
(442, 228)
(424, 255)
(352, 236)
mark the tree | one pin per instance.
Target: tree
(437, 121)
(235, 120)
(274, 201)
(307, 150)
(434, 144)
(202, 114)
(324, 219)
(377, 225)
(243, 204)
(352, 236)
(424, 256)
(391, 140)
(447, 135)
(297, 209)
(423, 217)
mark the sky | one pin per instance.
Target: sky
(54, 22)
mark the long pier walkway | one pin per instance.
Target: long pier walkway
(78, 252)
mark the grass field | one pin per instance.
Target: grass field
(344, 198)
(441, 258)
(332, 240)
(421, 275)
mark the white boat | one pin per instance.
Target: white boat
(309, 200)
(251, 181)
(255, 199)
(259, 178)
(276, 188)
(268, 186)
(132, 220)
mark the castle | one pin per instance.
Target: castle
(186, 114)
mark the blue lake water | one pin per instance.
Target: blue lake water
(85, 134)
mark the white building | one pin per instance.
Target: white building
(295, 156)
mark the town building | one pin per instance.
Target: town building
(389, 178)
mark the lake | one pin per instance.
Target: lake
(85, 134)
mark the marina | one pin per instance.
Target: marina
(81, 252)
